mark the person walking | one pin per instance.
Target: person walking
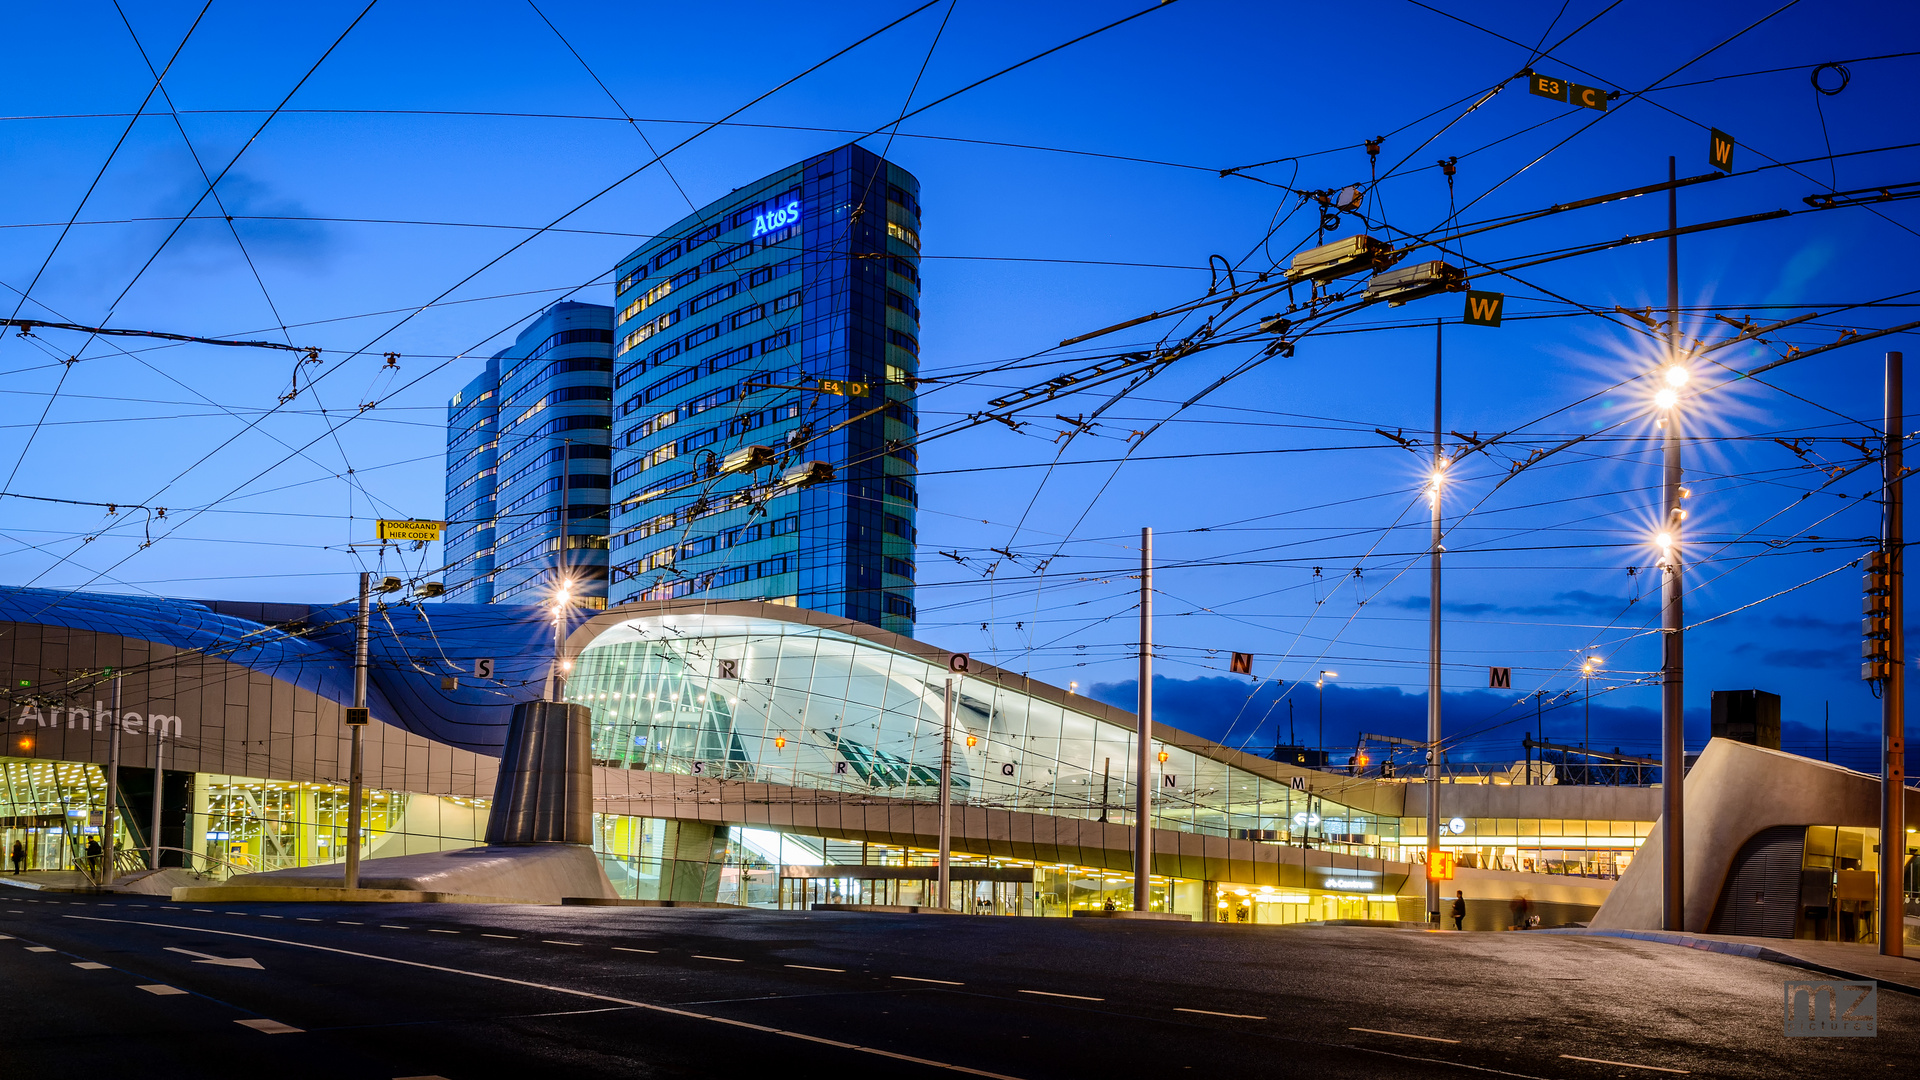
(1459, 909)
(19, 856)
(93, 856)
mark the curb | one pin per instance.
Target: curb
(1735, 948)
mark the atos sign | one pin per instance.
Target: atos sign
(778, 218)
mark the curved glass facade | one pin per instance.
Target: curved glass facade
(786, 703)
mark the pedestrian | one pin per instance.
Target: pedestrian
(93, 856)
(1526, 913)
(19, 856)
(1109, 905)
(1459, 909)
(1517, 913)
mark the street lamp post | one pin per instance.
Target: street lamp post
(1587, 667)
(1320, 685)
(1673, 740)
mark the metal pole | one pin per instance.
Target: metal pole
(946, 798)
(562, 586)
(1143, 764)
(159, 780)
(1433, 645)
(354, 792)
(1893, 701)
(113, 786)
(1673, 757)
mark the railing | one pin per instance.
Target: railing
(133, 861)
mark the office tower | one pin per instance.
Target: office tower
(527, 442)
(776, 327)
(472, 430)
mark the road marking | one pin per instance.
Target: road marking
(390, 926)
(507, 937)
(623, 948)
(204, 910)
(728, 959)
(162, 989)
(575, 944)
(1406, 1035)
(301, 919)
(10, 911)
(169, 908)
(9, 937)
(271, 1027)
(569, 991)
(38, 948)
(1625, 1064)
(88, 965)
(1048, 993)
(942, 982)
(264, 916)
(1230, 1016)
(344, 922)
(233, 913)
(433, 931)
(810, 967)
(220, 961)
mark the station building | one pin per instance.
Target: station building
(761, 754)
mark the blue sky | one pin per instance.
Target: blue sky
(1077, 192)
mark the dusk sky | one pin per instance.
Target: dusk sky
(400, 202)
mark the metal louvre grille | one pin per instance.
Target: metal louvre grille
(1762, 893)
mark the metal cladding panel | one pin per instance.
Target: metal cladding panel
(1762, 893)
(544, 793)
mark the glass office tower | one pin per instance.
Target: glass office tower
(772, 329)
(527, 443)
(472, 444)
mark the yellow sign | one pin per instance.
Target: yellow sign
(1720, 150)
(843, 388)
(1440, 866)
(411, 529)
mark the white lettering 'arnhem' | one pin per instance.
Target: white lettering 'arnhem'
(163, 726)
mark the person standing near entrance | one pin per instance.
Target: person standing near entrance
(93, 856)
(1459, 909)
(19, 856)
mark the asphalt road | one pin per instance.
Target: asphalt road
(92, 987)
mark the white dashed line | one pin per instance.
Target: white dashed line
(619, 948)
(1230, 1016)
(810, 967)
(233, 913)
(610, 999)
(344, 922)
(273, 916)
(162, 989)
(1048, 993)
(271, 1027)
(1624, 1064)
(430, 930)
(88, 965)
(728, 959)
(942, 982)
(575, 944)
(390, 926)
(300, 919)
(503, 937)
(38, 948)
(204, 910)
(8, 937)
(1405, 1035)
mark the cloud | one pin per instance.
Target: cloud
(1255, 717)
(243, 196)
(1573, 602)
